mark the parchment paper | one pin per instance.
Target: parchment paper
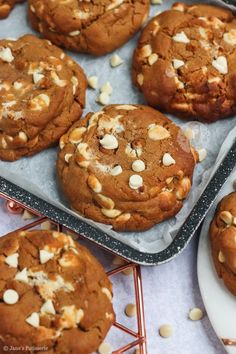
(37, 174)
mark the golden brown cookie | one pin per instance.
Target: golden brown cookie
(42, 92)
(223, 241)
(95, 27)
(6, 6)
(185, 62)
(128, 166)
(54, 294)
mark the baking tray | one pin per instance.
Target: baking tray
(38, 203)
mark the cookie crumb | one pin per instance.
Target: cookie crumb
(195, 314)
(105, 348)
(166, 331)
(130, 310)
(93, 82)
(116, 60)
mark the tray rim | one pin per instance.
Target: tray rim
(180, 241)
(102, 239)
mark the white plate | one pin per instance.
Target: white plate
(219, 302)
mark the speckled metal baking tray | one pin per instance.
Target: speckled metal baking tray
(180, 241)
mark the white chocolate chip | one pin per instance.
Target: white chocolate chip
(17, 85)
(116, 60)
(109, 142)
(135, 181)
(140, 79)
(27, 215)
(103, 98)
(221, 257)
(75, 136)
(46, 225)
(37, 77)
(111, 213)
(221, 64)
(22, 276)
(45, 256)
(126, 107)
(181, 37)
(116, 170)
(168, 160)
(74, 33)
(23, 136)
(6, 55)
(165, 331)
(93, 82)
(202, 153)
(138, 166)
(230, 37)
(12, 260)
(105, 348)
(156, 2)
(33, 320)
(146, 51)
(57, 80)
(177, 63)
(157, 132)
(107, 293)
(94, 184)
(67, 157)
(106, 88)
(10, 297)
(39, 102)
(152, 58)
(48, 307)
(195, 314)
(75, 83)
(214, 79)
(130, 310)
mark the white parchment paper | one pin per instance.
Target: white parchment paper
(37, 174)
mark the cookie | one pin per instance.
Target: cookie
(128, 166)
(54, 294)
(95, 27)
(42, 92)
(6, 6)
(185, 62)
(223, 237)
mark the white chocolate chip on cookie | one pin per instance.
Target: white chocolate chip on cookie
(168, 160)
(157, 132)
(116, 170)
(138, 166)
(135, 181)
(181, 37)
(10, 297)
(45, 256)
(33, 320)
(6, 55)
(221, 64)
(12, 260)
(109, 142)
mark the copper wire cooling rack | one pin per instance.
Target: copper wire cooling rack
(139, 336)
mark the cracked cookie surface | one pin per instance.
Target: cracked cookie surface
(185, 62)
(223, 241)
(54, 294)
(6, 6)
(95, 27)
(128, 166)
(42, 92)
